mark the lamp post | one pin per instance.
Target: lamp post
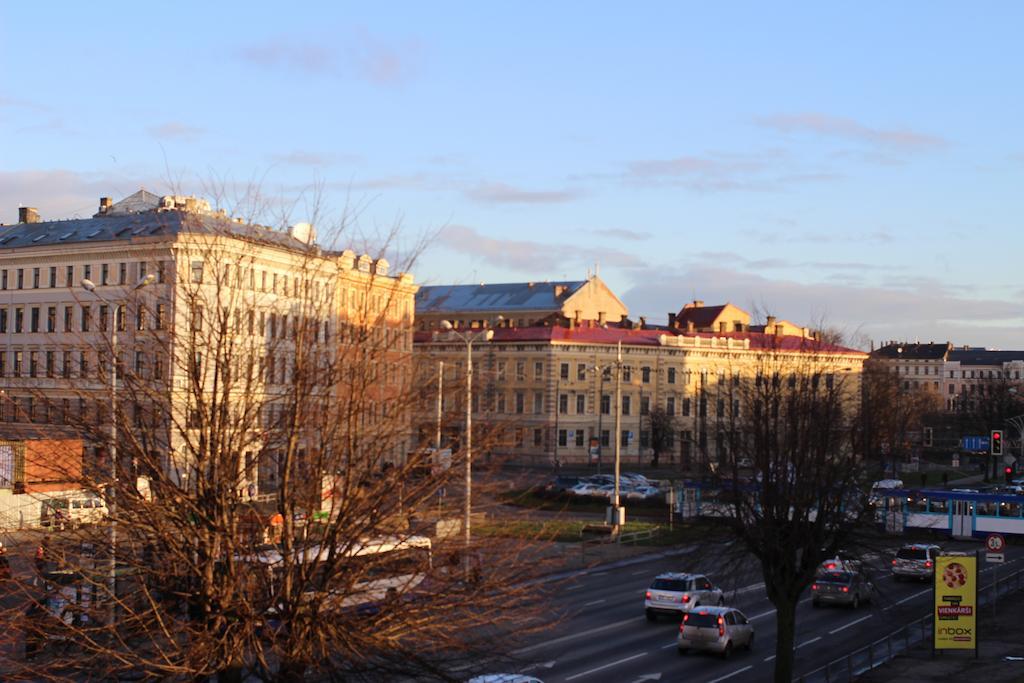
(614, 517)
(89, 286)
(485, 334)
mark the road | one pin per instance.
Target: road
(605, 637)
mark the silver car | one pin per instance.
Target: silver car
(678, 593)
(842, 588)
(715, 629)
(915, 561)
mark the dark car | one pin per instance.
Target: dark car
(842, 588)
(561, 484)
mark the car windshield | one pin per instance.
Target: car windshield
(670, 584)
(912, 554)
(835, 577)
(701, 619)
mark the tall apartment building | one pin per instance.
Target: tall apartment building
(197, 266)
(549, 389)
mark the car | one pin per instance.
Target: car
(675, 593)
(642, 493)
(715, 629)
(583, 489)
(561, 484)
(842, 562)
(842, 588)
(635, 478)
(915, 561)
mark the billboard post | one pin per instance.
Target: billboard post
(956, 603)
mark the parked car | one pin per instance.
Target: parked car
(584, 488)
(642, 493)
(635, 477)
(915, 561)
(72, 510)
(561, 484)
(676, 593)
(715, 629)
(842, 588)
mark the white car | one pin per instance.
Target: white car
(716, 629)
(675, 593)
(642, 493)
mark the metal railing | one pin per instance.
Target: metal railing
(634, 536)
(916, 633)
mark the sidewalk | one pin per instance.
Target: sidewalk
(1001, 636)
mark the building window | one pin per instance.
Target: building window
(21, 278)
(501, 371)
(538, 437)
(645, 375)
(68, 313)
(34, 319)
(143, 269)
(671, 375)
(49, 363)
(103, 317)
(51, 319)
(627, 373)
(720, 407)
(645, 405)
(624, 438)
(53, 277)
(86, 315)
(563, 403)
(197, 273)
(670, 405)
(122, 273)
(69, 276)
(581, 404)
(18, 357)
(538, 403)
(3, 320)
(645, 439)
(626, 405)
(520, 370)
(35, 278)
(562, 437)
(65, 364)
(579, 437)
(161, 317)
(3, 279)
(686, 407)
(119, 321)
(538, 370)
(606, 404)
(563, 371)
(520, 403)
(105, 274)
(19, 320)
(606, 438)
(581, 371)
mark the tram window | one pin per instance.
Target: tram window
(917, 505)
(985, 509)
(1010, 510)
(938, 505)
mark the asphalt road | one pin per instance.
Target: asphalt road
(604, 635)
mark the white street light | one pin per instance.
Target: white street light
(469, 339)
(90, 286)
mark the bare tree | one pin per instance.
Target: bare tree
(270, 503)
(893, 417)
(663, 429)
(793, 415)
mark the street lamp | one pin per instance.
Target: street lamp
(469, 339)
(89, 286)
(616, 516)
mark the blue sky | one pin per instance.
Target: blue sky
(854, 164)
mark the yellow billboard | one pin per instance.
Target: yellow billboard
(956, 602)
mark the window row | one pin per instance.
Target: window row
(108, 274)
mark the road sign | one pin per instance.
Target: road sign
(975, 444)
(998, 558)
(995, 543)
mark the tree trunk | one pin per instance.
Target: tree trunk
(785, 628)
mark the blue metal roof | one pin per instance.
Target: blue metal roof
(521, 296)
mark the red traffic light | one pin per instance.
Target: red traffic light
(1007, 470)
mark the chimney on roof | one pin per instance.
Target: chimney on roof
(671, 319)
(643, 322)
(600, 317)
(105, 204)
(697, 303)
(690, 327)
(769, 322)
(28, 214)
(560, 290)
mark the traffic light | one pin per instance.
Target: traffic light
(997, 442)
(1008, 473)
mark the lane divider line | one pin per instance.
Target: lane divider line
(737, 672)
(575, 636)
(604, 666)
(852, 623)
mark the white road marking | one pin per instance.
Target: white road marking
(600, 574)
(852, 623)
(665, 647)
(909, 597)
(812, 640)
(763, 614)
(575, 636)
(593, 602)
(642, 571)
(604, 666)
(734, 673)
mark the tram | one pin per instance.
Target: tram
(962, 514)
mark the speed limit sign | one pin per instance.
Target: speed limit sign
(995, 543)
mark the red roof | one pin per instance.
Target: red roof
(648, 337)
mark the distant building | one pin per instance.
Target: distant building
(961, 375)
(521, 304)
(35, 460)
(548, 389)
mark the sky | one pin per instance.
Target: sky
(858, 165)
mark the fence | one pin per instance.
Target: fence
(918, 632)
